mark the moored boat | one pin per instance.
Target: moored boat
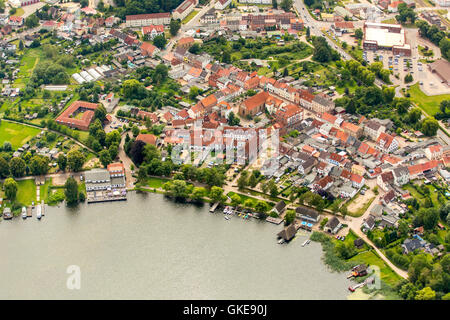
(38, 211)
(24, 212)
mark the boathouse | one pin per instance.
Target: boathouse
(288, 233)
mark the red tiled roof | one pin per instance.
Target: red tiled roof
(83, 123)
(147, 138)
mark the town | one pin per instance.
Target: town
(327, 117)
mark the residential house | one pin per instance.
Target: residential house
(385, 180)
(333, 225)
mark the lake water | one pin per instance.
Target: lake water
(152, 248)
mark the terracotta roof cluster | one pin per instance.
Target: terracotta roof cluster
(70, 116)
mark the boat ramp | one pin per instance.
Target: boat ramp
(274, 220)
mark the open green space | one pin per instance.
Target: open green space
(371, 258)
(26, 192)
(156, 183)
(430, 104)
(16, 134)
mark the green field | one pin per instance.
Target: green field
(371, 258)
(26, 191)
(430, 104)
(15, 133)
(156, 182)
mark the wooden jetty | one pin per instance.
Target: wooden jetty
(29, 211)
(214, 207)
(43, 207)
(274, 220)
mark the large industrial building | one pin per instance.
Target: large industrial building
(386, 37)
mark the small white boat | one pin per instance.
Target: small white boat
(24, 212)
(38, 211)
(281, 241)
(227, 218)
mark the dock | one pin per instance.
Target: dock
(43, 207)
(214, 207)
(29, 212)
(274, 220)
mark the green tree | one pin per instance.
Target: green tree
(426, 294)
(198, 193)
(261, 206)
(252, 181)
(17, 167)
(273, 189)
(174, 27)
(286, 5)
(75, 160)
(359, 34)
(105, 158)
(289, 217)
(243, 180)
(4, 168)
(71, 191)
(160, 41)
(10, 187)
(430, 127)
(235, 200)
(216, 194)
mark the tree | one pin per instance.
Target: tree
(105, 158)
(444, 105)
(430, 127)
(32, 21)
(235, 200)
(195, 48)
(161, 73)
(75, 160)
(409, 78)
(359, 34)
(10, 187)
(414, 115)
(71, 190)
(308, 32)
(160, 41)
(216, 194)
(17, 167)
(286, 5)
(425, 294)
(4, 168)
(198, 193)
(261, 206)
(39, 165)
(174, 26)
(289, 217)
(273, 189)
(233, 120)
(275, 4)
(252, 181)
(137, 152)
(243, 180)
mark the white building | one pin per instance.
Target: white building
(222, 4)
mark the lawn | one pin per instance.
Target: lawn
(430, 104)
(44, 190)
(26, 191)
(156, 182)
(16, 134)
(190, 16)
(371, 258)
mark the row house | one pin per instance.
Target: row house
(141, 20)
(289, 115)
(352, 129)
(322, 104)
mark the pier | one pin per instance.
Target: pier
(29, 212)
(274, 220)
(214, 207)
